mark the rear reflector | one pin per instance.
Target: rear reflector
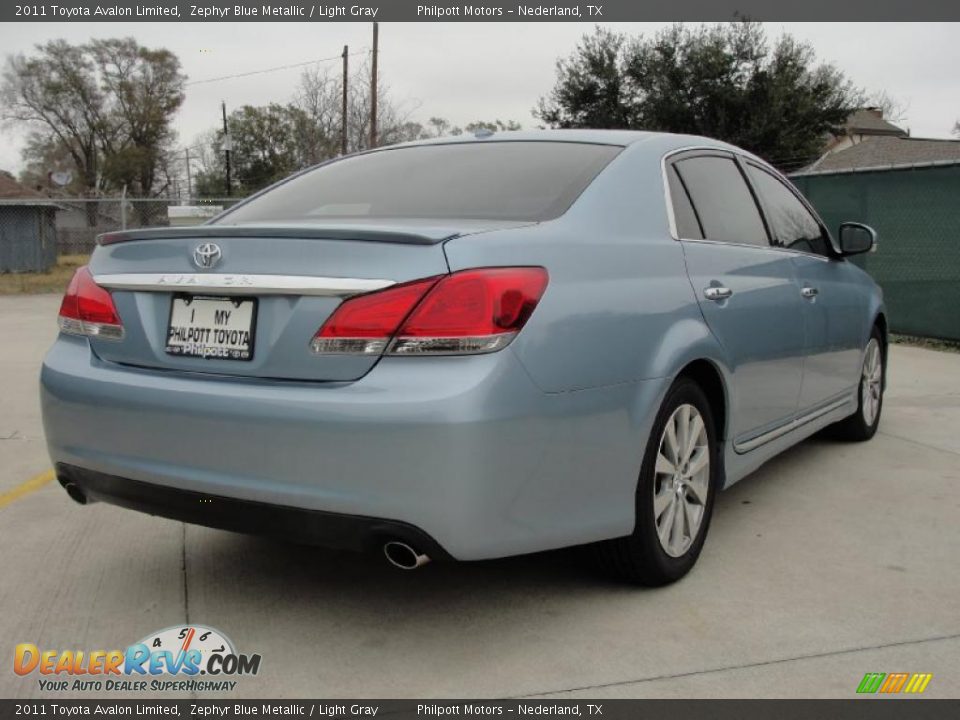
(88, 309)
(468, 312)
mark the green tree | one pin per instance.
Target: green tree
(45, 155)
(145, 88)
(105, 108)
(270, 142)
(264, 150)
(208, 167)
(723, 81)
(57, 93)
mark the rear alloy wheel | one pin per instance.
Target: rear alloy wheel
(862, 425)
(682, 480)
(675, 494)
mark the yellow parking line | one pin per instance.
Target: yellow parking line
(34, 483)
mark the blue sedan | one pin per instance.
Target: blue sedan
(470, 348)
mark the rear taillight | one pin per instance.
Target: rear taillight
(364, 324)
(468, 312)
(88, 309)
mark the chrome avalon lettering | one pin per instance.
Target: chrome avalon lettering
(207, 280)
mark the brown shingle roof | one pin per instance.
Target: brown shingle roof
(10, 189)
(869, 121)
(881, 151)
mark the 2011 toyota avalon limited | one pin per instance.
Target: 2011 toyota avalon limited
(470, 348)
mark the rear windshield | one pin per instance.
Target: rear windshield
(478, 180)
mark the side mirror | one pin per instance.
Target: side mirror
(856, 238)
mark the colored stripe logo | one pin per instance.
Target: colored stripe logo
(889, 683)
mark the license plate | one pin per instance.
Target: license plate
(212, 327)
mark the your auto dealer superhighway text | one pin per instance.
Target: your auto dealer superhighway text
(304, 11)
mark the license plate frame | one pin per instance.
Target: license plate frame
(224, 353)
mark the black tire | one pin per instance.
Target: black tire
(856, 428)
(640, 558)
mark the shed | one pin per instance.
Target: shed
(28, 233)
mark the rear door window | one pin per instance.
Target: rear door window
(794, 226)
(722, 200)
(685, 217)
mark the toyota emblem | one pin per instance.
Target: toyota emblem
(207, 255)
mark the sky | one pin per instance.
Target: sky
(483, 71)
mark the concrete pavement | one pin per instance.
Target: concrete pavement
(832, 561)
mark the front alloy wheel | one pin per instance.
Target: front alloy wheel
(871, 382)
(862, 425)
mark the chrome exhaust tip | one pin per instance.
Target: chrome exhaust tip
(401, 555)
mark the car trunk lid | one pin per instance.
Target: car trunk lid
(279, 283)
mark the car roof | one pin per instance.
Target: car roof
(621, 138)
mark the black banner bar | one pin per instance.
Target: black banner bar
(496, 11)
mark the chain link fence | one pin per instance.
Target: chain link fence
(81, 220)
(916, 212)
(34, 232)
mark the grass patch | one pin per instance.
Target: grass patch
(54, 281)
(927, 343)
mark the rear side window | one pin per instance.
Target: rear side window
(793, 226)
(688, 226)
(477, 180)
(722, 200)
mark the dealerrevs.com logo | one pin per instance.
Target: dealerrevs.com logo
(192, 658)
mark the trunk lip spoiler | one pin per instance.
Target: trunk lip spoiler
(341, 232)
(241, 284)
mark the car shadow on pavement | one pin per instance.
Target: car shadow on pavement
(234, 566)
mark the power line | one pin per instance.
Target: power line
(273, 69)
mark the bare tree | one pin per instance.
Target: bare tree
(318, 98)
(318, 102)
(45, 155)
(272, 141)
(105, 108)
(894, 110)
(57, 90)
(145, 90)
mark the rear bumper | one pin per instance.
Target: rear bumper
(310, 527)
(468, 450)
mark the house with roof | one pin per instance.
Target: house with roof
(28, 232)
(865, 123)
(886, 152)
(867, 141)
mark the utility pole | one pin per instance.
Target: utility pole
(343, 111)
(189, 181)
(373, 87)
(227, 143)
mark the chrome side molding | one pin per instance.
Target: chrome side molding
(770, 435)
(237, 284)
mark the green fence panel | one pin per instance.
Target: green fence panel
(916, 212)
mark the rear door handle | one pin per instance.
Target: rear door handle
(717, 293)
(809, 292)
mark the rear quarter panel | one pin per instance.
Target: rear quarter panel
(619, 307)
